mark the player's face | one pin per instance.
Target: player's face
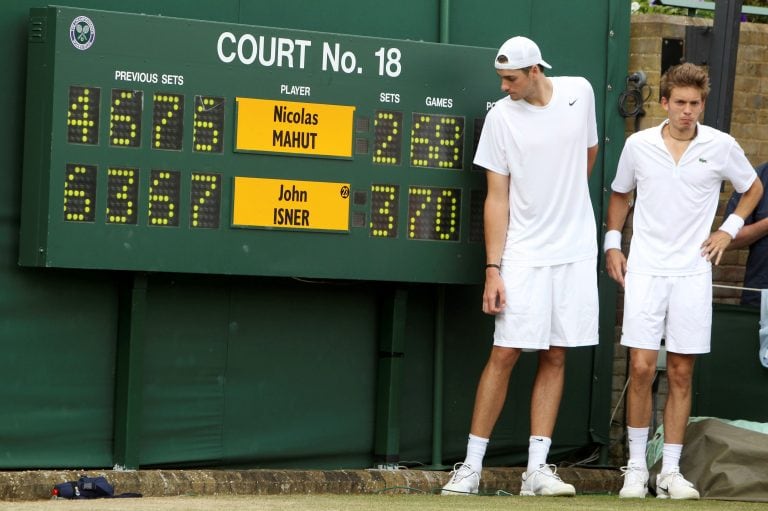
(516, 83)
(684, 106)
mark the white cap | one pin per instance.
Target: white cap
(518, 53)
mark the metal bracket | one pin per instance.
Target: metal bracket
(698, 42)
(671, 53)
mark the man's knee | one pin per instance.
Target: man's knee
(679, 383)
(642, 369)
(553, 358)
(503, 357)
(680, 370)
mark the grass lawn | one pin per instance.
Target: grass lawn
(379, 502)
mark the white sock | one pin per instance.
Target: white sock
(638, 444)
(538, 449)
(670, 459)
(476, 452)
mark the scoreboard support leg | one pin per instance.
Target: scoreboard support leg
(392, 316)
(128, 371)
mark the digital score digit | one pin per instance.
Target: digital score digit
(208, 131)
(168, 121)
(433, 213)
(205, 200)
(125, 118)
(83, 115)
(164, 198)
(388, 137)
(384, 206)
(80, 193)
(437, 141)
(122, 195)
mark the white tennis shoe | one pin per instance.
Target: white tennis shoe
(545, 482)
(672, 485)
(635, 482)
(464, 481)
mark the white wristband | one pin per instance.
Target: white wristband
(732, 225)
(612, 240)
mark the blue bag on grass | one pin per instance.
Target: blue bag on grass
(88, 488)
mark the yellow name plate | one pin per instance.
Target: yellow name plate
(286, 204)
(296, 128)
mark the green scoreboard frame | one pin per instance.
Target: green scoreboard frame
(175, 145)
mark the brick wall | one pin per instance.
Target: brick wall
(749, 125)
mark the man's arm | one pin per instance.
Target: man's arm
(755, 229)
(591, 158)
(750, 234)
(714, 246)
(496, 221)
(618, 209)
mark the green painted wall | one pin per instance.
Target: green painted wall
(730, 382)
(278, 372)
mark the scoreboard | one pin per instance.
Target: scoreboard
(175, 145)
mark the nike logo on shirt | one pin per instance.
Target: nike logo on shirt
(570, 103)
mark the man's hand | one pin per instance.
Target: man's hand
(616, 265)
(494, 296)
(715, 245)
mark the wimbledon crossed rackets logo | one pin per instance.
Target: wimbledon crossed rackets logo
(82, 33)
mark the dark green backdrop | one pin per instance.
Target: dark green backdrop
(102, 368)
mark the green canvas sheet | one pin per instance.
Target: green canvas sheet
(724, 461)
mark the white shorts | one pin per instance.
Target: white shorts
(678, 309)
(549, 306)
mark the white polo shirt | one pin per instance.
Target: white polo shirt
(676, 203)
(544, 151)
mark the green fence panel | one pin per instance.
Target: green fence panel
(417, 411)
(57, 366)
(277, 372)
(184, 371)
(730, 382)
(396, 19)
(58, 328)
(301, 375)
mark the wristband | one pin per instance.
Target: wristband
(732, 225)
(612, 240)
(493, 265)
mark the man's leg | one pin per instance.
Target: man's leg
(489, 401)
(678, 407)
(573, 322)
(547, 391)
(670, 482)
(689, 330)
(492, 390)
(545, 403)
(642, 371)
(538, 478)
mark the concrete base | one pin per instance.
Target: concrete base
(34, 485)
